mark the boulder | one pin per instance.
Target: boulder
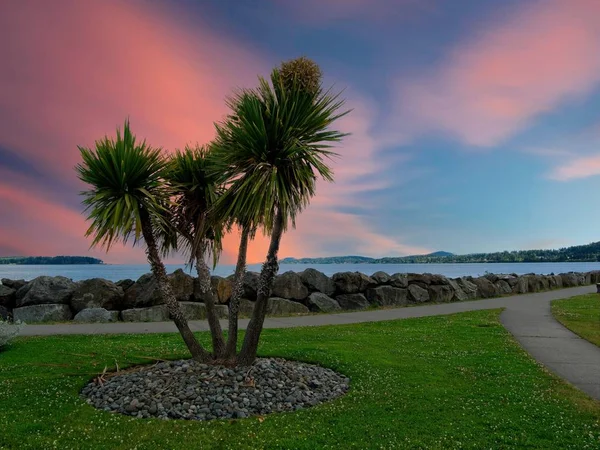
(45, 290)
(439, 293)
(319, 302)
(317, 281)
(125, 284)
(96, 315)
(281, 307)
(7, 296)
(521, 286)
(421, 279)
(13, 284)
(352, 282)
(42, 313)
(157, 313)
(569, 279)
(459, 294)
(387, 296)
(5, 314)
(536, 283)
(96, 293)
(143, 293)
(581, 278)
(469, 289)
(503, 287)
(381, 277)
(352, 301)
(485, 288)
(223, 288)
(182, 284)
(555, 282)
(417, 294)
(399, 280)
(250, 283)
(594, 276)
(197, 311)
(289, 285)
(492, 277)
(246, 307)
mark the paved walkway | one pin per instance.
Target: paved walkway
(527, 317)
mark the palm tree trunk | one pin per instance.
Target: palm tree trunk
(209, 301)
(236, 295)
(166, 291)
(265, 284)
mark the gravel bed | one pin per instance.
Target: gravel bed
(189, 390)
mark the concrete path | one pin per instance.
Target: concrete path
(527, 317)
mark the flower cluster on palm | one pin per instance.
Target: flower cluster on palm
(258, 173)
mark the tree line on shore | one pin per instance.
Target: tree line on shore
(578, 253)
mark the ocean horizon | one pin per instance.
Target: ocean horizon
(116, 272)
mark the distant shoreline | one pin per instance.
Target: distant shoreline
(50, 260)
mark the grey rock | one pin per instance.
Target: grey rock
(485, 288)
(503, 287)
(125, 284)
(281, 306)
(289, 285)
(399, 280)
(182, 284)
(317, 281)
(246, 307)
(142, 293)
(250, 283)
(521, 286)
(459, 294)
(381, 277)
(96, 315)
(45, 290)
(43, 313)
(417, 294)
(5, 314)
(157, 313)
(197, 311)
(387, 296)
(470, 289)
(13, 284)
(96, 293)
(569, 279)
(352, 282)
(352, 301)
(440, 293)
(7, 296)
(317, 301)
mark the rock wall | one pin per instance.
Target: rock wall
(97, 300)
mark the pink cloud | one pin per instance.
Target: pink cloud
(76, 69)
(576, 168)
(501, 78)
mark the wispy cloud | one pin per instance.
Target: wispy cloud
(576, 168)
(500, 78)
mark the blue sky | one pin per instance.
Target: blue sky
(475, 124)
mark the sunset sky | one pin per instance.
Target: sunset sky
(476, 123)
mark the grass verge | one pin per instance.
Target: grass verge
(581, 315)
(456, 381)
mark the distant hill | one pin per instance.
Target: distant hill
(579, 253)
(45, 260)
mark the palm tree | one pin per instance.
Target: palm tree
(274, 145)
(197, 187)
(128, 197)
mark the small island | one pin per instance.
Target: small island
(49, 260)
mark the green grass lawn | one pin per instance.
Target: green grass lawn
(581, 315)
(455, 381)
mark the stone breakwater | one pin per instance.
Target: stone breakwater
(59, 299)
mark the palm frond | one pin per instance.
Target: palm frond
(125, 177)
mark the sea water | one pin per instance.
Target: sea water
(115, 272)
